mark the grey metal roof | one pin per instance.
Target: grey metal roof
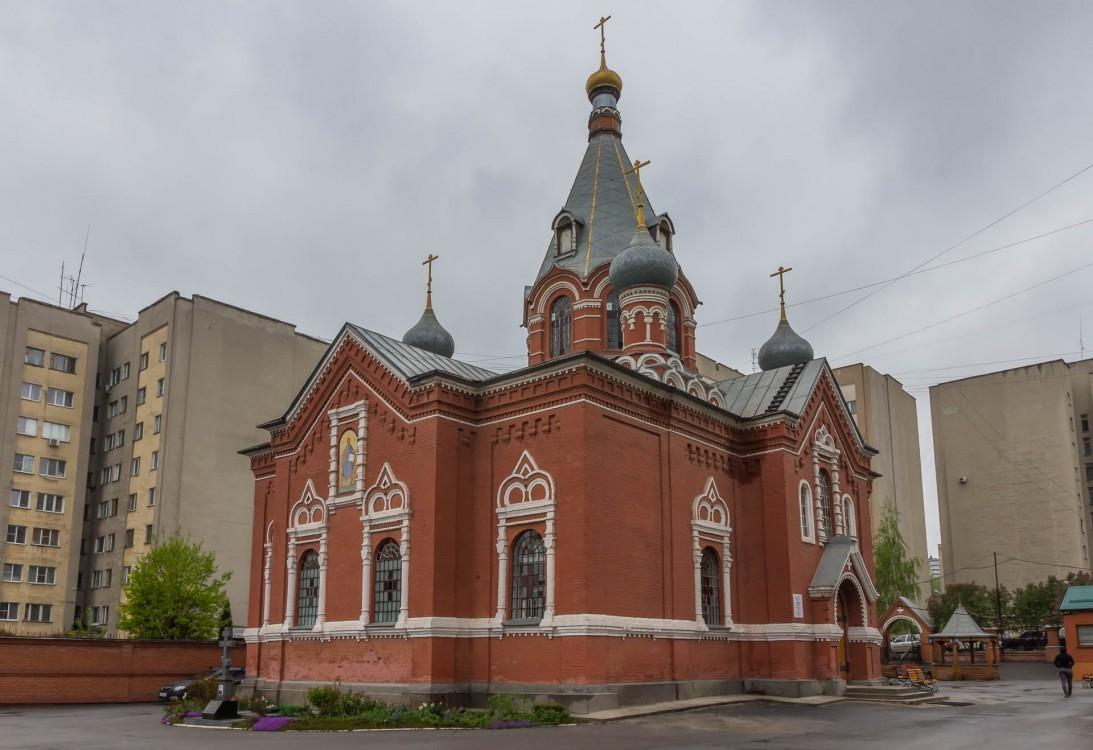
(832, 562)
(922, 612)
(784, 389)
(410, 362)
(961, 625)
(603, 200)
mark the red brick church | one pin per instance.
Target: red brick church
(604, 526)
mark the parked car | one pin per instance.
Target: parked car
(1030, 640)
(178, 691)
(903, 644)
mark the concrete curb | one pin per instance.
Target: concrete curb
(652, 709)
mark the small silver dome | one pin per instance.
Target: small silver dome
(429, 335)
(785, 347)
(643, 263)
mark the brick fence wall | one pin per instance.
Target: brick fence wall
(71, 670)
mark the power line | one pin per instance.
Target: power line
(892, 279)
(967, 312)
(974, 234)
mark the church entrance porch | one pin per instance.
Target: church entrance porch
(854, 656)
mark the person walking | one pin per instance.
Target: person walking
(1064, 662)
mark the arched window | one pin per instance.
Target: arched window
(561, 324)
(307, 590)
(528, 577)
(673, 328)
(806, 513)
(825, 502)
(614, 322)
(711, 587)
(850, 519)
(388, 586)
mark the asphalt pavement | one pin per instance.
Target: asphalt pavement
(1024, 710)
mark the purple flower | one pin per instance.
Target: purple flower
(510, 724)
(271, 723)
(165, 720)
(191, 714)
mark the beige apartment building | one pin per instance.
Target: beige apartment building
(1014, 456)
(49, 357)
(887, 417)
(159, 409)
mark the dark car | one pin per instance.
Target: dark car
(177, 691)
(1030, 640)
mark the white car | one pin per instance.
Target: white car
(903, 644)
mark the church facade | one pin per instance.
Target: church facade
(604, 526)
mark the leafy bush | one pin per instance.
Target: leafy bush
(174, 711)
(259, 704)
(506, 706)
(550, 713)
(290, 710)
(325, 700)
(202, 691)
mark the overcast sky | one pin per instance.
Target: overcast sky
(301, 159)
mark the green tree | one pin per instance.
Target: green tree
(978, 600)
(174, 593)
(897, 575)
(1037, 605)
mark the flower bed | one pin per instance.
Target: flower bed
(331, 708)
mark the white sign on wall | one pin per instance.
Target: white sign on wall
(798, 605)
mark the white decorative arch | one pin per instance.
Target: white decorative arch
(525, 497)
(716, 398)
(804, 506)
(386, 512)
(675, 380)
(550, 292)
(710, 522)
(696, 389)
(897, 618)
(307, 521)
(862, 599)
(826, 455)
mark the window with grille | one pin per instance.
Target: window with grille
(307, 588)
(825, 502)
(711, 588)
(672, 333)
(614, 322)
(388, 587)
(528, 577)
(561, 326)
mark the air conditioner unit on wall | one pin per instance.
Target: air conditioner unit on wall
(54, 442)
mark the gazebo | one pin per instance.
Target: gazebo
(960, 632)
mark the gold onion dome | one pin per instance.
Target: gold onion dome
(604, 77)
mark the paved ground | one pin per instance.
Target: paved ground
(1025, 710)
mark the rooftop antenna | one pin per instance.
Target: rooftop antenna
(754, 360)
(1081, 337)
(61, 288)
(79, 273)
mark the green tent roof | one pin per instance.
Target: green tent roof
(1077, 599)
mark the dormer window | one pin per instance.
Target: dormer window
(664, 236)
(564, 239)
(565, 226)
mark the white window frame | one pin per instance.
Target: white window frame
(56, 431)
(33, 388)
(20, 534)
(60, 463)
(22, 464)
(68, 398)
(34, 360)
(21, 495)
(712, 527)
(64, 359)
(54, 536)
(55, 505)
(51, 575)
(525, 498)
(12, 573)
(38, 609)
(6, 611)
(26, 426)
(804, 508)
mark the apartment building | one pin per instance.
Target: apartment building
(49, 358)
(887, 417)
(1014, 457)
(119, 434)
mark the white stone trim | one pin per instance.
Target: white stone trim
(525, 496)
(385, 511)
(267, 572)
(825, 452)
(354, 417)
(573, 625)
(710, 523)
(805, 512)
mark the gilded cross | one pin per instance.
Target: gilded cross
(636, 171)
(602, 26)
(429, 285)
(781, 274)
